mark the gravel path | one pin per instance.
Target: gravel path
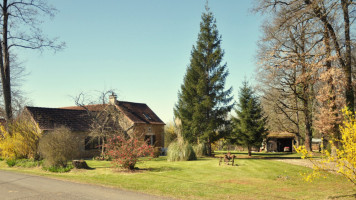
(301, 162)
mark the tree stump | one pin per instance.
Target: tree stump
(80, 164)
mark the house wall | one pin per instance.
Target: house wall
(81, 143)
(139, 129)
(151, 129)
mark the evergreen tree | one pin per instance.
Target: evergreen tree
(203, 102)
(249, 126)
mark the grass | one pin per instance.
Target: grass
(205, 179)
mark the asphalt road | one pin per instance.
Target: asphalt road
(22, 186)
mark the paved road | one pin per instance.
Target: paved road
(22, 186)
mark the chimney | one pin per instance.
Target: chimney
(112, 99)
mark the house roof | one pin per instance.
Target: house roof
(77, 119)
(49, 118)
(136, 112)
(139, 112)
(280, 135)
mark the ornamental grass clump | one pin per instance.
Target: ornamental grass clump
(200, 150)
(180, 150)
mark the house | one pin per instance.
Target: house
(280, 141)
(137, 117)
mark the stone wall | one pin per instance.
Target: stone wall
(151, 129)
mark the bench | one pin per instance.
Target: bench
(228, 158)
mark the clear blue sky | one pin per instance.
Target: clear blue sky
(141, 48)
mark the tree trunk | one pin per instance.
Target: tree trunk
(350, 99)
(209, 147)
(5, 64)
(308, 134)
(249, 150)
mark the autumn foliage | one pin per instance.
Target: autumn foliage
(126, 151)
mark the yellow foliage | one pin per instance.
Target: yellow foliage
(19, 140)
(343, 161)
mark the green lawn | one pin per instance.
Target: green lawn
(205, 179)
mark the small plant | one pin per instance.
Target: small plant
(58, 169)
(11, 162)
(28, 163)
(126, 152)
(103, 157)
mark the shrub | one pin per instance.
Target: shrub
(343, 161)
(180, 150)
(58, 169)
(58, 147)
(200, 150)
(11, 162)
(19, 140)
(170, 133)
(126, 152)
(157, 152)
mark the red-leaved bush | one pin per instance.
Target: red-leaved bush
(126, 152)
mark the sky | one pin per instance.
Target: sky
(140, 48)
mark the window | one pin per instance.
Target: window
(150, 139)
(91, 143)
(147, 116)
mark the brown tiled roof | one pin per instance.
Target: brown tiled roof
(136, 112)
(139, 112)
(49, 118)
(77, 119)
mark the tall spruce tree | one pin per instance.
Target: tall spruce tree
(249, 126)
(203, 103)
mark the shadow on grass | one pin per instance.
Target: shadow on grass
(268, 158)
(164, 169)
(342, 196)
(261, 155)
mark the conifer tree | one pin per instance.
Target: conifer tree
(249, 126)
(203, 103)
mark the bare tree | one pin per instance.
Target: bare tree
(334, 17)
(106, 119)
(314, 35)
(287, 56)
(20, 20)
